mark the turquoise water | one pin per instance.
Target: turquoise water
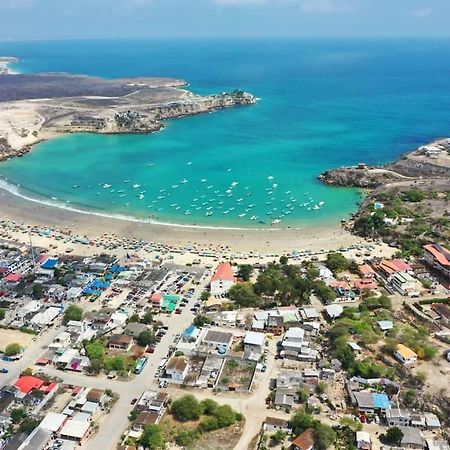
(323, 104)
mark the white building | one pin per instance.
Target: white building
(405, 354)
(177, 368)
(404, 284)
(254, 342)
(222, 280)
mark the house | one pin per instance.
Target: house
(258, 325)
(412, 438)
(27, 383)
(366, 284)
(304, 441)
(309, 313)
(222, 280)
(273, 424)
(120, 342)
(385, 325)
(334, 311)
(134, 329)
(405, 354)
(438, 257)
(177, 368)
(404, 283)
(397, 417)
(363, 441)
(275, 325)
(432, 421)
(370, 402)
(145, 418)
(191, 333)
(433, 444)
(217, 340)
(53, 422)
(366, 271)
(254, 342)
(390, 267)
(95, 395)
(75, 430)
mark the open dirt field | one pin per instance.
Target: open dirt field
(11, 336)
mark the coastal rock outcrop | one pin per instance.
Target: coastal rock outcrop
(35, 107)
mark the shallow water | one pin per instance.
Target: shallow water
(323, 104)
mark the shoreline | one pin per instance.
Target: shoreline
(20, 210)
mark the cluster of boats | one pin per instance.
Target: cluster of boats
(208, 200)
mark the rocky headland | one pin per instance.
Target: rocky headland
(36, 107)
(408, 201)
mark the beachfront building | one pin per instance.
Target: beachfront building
(438, 257)
(405, 354)
(222, 280)
(404, 284)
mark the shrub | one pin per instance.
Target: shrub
(186, 408)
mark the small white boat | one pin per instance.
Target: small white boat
(140, 196)
(270, 177)
(122, 195)
(274, 222)
(240, 200)
(189, 163)
(183, 181)
(106, 186)
(203, 180)
(136, 185)
(174, 186)
(234, 183)
(253, 217)
(209, 213)
(75, 186)
(242, 215)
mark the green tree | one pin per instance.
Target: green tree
(186, 408)
(145, 338)
(414, 195)
(394, 436)
(300, 421)
(278, 437)
(28, 424)
(243, 295)
(245, 271)
(17, 415)
(95, 367)
(134, 318)
(268, 282)
(2, 313)
(321, 387)
(351, 423)
(73, 312)
(38, 291)
(95, 350)
(209, 406)
(225, 416)
(323, 292)
(208, 424)
(147, 318)
(201, 321)
(117, 363)
(187, 438)
(337, 262)
(204, 296)
(153, 438)
(324, 436)
(303, 395)
(13, 349)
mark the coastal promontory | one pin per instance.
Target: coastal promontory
(36, 107)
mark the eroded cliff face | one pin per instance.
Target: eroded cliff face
(359, 178)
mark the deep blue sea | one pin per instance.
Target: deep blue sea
(323, 103)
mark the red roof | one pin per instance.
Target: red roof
(48, 387)
(367, 284)
(223, 272)
(157, 297)
(13, 277)
(440, 253)
(304, 441)
(394, 266)
(339, 284)
(366, 270)
(27, 383)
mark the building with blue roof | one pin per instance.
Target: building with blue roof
(191, 333)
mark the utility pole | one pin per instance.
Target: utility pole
(33, 259)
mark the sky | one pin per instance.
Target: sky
(69, 19)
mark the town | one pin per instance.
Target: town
(299, 350)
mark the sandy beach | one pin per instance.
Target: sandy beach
(92, 226)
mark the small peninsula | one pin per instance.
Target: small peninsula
(36, 107)
(408, 203)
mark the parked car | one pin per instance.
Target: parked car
(3, 370)
(134, 401)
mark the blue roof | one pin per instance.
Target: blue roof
(190, 331)
(50, 263)
(381, 401)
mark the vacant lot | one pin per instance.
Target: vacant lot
(9, 336)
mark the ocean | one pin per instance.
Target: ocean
(323, 104)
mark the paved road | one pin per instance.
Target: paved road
(252, 406)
